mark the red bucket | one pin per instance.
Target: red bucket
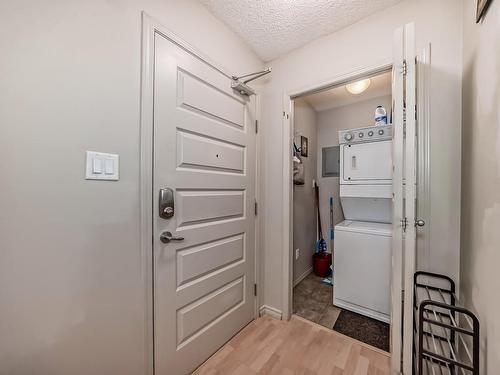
(321, 263)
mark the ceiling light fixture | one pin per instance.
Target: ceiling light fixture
(358, 87)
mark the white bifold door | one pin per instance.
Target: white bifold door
(203, 214)
(404, 198)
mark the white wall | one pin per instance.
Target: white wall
(368, 43)
(304, 199)
(480, 256)
(72, 293)
(330, 122)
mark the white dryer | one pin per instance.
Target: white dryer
(363, 243)
(366, 173)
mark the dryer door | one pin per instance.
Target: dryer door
(367, 163)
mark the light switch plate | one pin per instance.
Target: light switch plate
(102, 166)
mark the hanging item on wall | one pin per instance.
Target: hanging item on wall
(298, 173)
(304, 146)
(298, 167)
(482, 6)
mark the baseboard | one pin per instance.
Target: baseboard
(303, 276)
(271, 311)
(362, 310)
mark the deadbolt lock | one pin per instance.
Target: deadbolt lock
(166, 203)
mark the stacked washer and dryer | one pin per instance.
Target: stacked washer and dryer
(363, 240)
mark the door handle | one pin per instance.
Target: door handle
(166, 237)
(419, 223)
(353, 162)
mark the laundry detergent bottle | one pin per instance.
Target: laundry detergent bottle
(380, 116)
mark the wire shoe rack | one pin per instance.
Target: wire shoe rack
(446, 336)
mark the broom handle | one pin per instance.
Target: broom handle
(320, 230)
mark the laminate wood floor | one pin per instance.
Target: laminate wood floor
(270, 346)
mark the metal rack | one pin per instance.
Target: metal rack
(446, 336)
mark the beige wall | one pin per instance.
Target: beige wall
(330, 122)
(304, 200)
(369, 43)
(72, 289)
(480, 255)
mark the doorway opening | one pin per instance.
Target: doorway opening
(342, 207)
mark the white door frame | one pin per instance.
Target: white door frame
(423, 126)
(410, 195)
(397, 279)
(150, 26)
(288, 98)
(424, 157)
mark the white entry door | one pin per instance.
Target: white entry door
(404, 190)
(204, 228)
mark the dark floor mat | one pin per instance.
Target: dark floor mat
(362, 328)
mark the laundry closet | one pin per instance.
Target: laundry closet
(352, 177)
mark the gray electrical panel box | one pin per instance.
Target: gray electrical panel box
(331, 161)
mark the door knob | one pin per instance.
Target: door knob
(166, 237)
(419, 223)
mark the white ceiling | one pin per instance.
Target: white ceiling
(275, 27)
(339, 96)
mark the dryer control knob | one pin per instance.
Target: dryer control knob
(370, 133)
(381, 132)
(361, 135)
(348, 136)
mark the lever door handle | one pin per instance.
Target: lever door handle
(166, 237)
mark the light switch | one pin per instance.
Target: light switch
(97, 165)
(109, 166)
(102, 166)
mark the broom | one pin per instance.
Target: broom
(321, 243)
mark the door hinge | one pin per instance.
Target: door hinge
(256, 126)
(404, 224)
(405, 68)
(255, 290)
(286, 115)
(255, 208)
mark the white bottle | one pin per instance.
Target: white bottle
(380, 116)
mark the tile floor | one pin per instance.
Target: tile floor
(312, 300)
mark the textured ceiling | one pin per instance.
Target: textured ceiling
(339, 96)
(275, 27)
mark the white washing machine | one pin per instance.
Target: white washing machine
(362, 255)
(363, 268)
